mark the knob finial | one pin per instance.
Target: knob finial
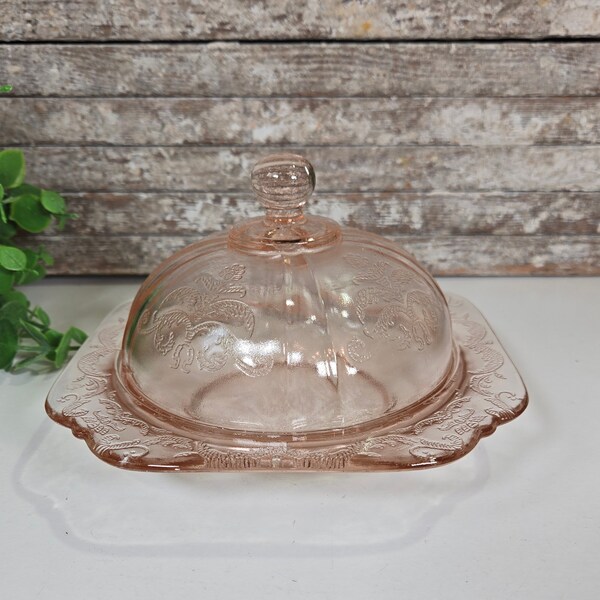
(283, 183)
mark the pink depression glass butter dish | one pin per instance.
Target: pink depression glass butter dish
(288, 342)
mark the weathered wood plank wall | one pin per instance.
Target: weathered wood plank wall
(468, 131)
(297, 19)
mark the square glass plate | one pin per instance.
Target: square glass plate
(490, 393)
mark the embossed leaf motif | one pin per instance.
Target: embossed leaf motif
(233, 312)
(357, 261)
(234, 272)
(194, 325)
(402, 277)
(395, 324)
(373, 272)
(401, 305)
(166, 330)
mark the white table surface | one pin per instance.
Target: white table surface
(519, 517)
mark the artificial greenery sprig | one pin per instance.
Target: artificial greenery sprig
(26, 337)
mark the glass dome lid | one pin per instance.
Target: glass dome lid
(291, 342)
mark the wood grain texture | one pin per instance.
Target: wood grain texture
(303, 69)
(322, 121)
(479, 213)
(339, 168)
(444, 255)
(296, 19)
(482, 157)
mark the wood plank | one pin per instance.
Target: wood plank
(517, 213)
(450, 255)
(296, 19)
(338, 168)
(348, 121)
(302, 69)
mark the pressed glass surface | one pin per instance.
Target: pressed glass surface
(489, 392)
(289, 342)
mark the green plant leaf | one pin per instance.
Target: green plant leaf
(53, 337)
(15, 296)
(7, 230)
(13, 312)
(38, 272)
(28, 276)
(9, 342)
(34, 332)
(62, 220)
(12, 168)
(7, 280)
(25, 189)
(45, 257)
(29, 214)
(78, 335)
(25, 334)
(35, 269)
(42, 316)
(27, 362)
(3, 217)
(4, 89)
(53, 202)
(32, 258)
(62, 350)
(12, 259)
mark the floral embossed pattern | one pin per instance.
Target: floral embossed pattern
(86, 400)
(405, 313)
(195, 325)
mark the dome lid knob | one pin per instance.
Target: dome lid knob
(283, 183)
